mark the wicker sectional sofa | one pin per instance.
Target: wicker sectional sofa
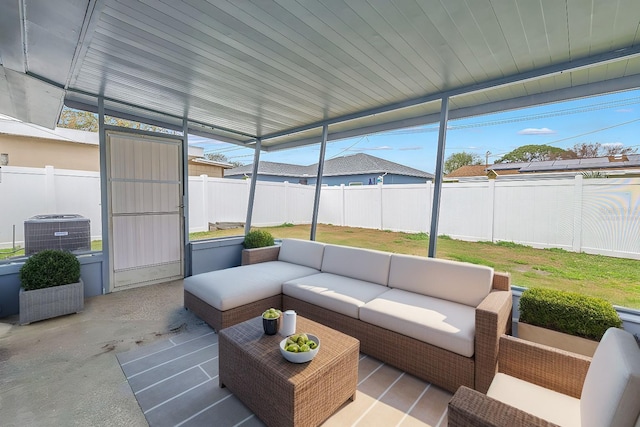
(438, 320)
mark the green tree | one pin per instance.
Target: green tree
(533, 153)
(584, 150)
(87, 121)
(219, 157)
(81, 120)
(457, 160)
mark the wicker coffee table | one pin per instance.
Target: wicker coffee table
(282, 393)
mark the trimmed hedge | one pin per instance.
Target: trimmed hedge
(258, 239)
(568, 312)
(49, 268)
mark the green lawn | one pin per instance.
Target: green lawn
(615, 279)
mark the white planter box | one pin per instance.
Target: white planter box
(557, 339)
(52, 302)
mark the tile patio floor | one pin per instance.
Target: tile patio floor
(64, 371)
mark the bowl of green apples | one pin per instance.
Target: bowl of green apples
(300, 348)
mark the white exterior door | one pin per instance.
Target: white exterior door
(144, 176)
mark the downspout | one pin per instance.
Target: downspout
(316, 201)
(437, 189)
(252, 188)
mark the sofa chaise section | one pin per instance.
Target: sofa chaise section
(225, 297)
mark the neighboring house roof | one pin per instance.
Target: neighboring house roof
(629, 161)
(468, 170)
(206, 161)
(11, 126)
(356, 164)
(272, 168)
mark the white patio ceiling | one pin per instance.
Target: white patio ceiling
(279, 69)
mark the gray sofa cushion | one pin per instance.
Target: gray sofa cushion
(362, 264)
(439, 322)
(336, 293)
(302, 252)
(233, 287)
(451, 280)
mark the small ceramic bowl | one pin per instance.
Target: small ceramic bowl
(300, 357)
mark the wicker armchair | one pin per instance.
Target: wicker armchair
(583, 390)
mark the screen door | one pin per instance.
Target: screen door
(145, 209)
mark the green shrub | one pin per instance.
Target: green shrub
(568, 312)
(258, 239)
(49, 268)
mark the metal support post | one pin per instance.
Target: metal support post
(185, 197)
(316, 201)
(437, 189)
(106, 244)
(252, 188)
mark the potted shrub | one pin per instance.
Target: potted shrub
(50, 286)
(254, 241)
(565, 320)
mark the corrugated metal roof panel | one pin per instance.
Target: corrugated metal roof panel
(266, 67)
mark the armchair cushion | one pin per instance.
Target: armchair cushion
(542, 402)
(611, 391)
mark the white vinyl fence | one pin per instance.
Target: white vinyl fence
(600, 216)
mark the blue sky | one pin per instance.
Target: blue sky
(608, 119)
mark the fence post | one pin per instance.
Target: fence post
(286, 202)
(577, 213)
(491, 208)
(205, 201)
(381, 207)
(343, 207)
(429, 203)
(50, 189)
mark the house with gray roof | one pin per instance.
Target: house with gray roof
(356, 169)
(627, 165)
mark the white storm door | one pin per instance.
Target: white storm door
(145, 209)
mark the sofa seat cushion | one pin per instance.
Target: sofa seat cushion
(547, 404)
(451, 280)
(336, 293)
(236, 286)
(439, 322)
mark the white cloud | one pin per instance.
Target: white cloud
(536, 131)
(624, 110)
(415, 147)
(612, 144)
(382, 147)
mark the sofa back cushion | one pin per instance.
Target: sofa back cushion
(361, 264)
(302, 252)
(454, 281)
(611, 390)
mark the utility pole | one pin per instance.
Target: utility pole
(486, 159)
